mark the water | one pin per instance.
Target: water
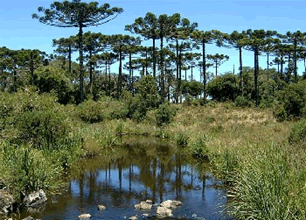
(143, 169)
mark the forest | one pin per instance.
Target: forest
(56, 110)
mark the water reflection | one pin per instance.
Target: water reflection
(141, 170)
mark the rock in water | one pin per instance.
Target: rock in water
(167, 204)
(171, 204)
(6, 202)
(35, 199)
(133, 217)
(164, 212)
(84, 216)
(101, 207)
(177, 203)
(143, 205)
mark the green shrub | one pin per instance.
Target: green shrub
(181, 139)
(91, 111)
(188, 100)
(137, 109)
(42, 129)
(241, 101)
(270, 185)
(223, 88)
(279, 113)
(29, 118)
(27, 170)
(209, 119)
(298, 133)
(118, 110)
(293, 99)
(199, 148)
(164, 114)
(52, 79)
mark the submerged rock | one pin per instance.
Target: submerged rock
(101, 207)
(143, 205)
(35, 199)
(30, 218)
(133, 217)
(6, 202)
(84, 216)
(171, 204)
(164, 212)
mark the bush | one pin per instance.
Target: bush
(181, 139)
(279, 113)
(188, 100)
(29, 118)
(52, 79)
(293, 99)
(42, 129)
(26, 169)
(164, 114)
(298, 133)
(241, 101)
(224, 88)
(91, 111)
(199, 148)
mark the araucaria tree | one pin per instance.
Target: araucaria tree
(77, 14)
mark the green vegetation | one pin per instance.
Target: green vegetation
(249, 127)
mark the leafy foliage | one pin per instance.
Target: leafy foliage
(165, 114)
(224, 87)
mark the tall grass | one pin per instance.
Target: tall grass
(269, 185)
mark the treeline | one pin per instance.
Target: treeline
(182, 48)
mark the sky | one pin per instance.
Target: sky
(18, 29)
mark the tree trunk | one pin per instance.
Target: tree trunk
(191, 72)
(130, 71)
(146, 61)
(32, 67)
(216, 63)
(14, 79)
(180, 75)
(81, 61)
(295, 61)
(240, 71)
(268, 54)
(120, 74)
(204, 69)
(162, 68)
(154, 59)
(90, 72)
(282, 65)
(177, 71)
(69, 58)
(256, 75)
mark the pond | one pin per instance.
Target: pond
(143, 168)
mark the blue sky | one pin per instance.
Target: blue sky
(18, 29)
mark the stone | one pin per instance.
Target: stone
(171, 204)
(164, 212)
(149, 201)
(6, 202)
(143, 205)
(133, 217)
(167, 204)
(84, 216)
(29, 218)
(35, 199)
(101, 207)
(177, 203)
(35, 210)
